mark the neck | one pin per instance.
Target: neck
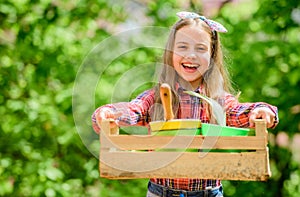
(189, 85)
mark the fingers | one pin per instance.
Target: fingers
(108, 114)
(263, 113)
(252, 118)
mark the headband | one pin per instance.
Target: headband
(214, 26)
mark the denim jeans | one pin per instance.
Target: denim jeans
(155, 190)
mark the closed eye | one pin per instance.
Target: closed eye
(201, 48)
(182, 47)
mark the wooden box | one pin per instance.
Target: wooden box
(143, 156)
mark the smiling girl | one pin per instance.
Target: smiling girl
(193, 60)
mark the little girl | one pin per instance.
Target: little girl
(192, 60)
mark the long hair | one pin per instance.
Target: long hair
(215, 80)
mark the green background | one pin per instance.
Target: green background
(43, 44)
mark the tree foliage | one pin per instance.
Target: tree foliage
(43, 44)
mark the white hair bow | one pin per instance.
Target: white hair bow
(214, 26)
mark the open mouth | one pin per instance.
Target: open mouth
(191, 67)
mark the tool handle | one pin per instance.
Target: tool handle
(166, 99)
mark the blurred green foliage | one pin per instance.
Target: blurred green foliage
(43, 44)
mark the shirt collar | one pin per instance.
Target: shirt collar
(200, 88)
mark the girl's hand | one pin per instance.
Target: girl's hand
(107, 114)
(263, 113)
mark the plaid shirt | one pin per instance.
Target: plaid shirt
(137, 111)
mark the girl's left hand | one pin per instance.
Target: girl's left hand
(263, 113)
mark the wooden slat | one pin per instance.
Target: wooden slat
(131, 142)
(261, 130)
(225, 166)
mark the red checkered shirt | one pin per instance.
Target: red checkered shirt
(136, 112)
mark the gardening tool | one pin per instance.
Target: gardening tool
(170, 123)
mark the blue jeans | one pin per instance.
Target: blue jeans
(155, 190)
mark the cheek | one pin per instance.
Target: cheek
(176, 60)
(205, 59)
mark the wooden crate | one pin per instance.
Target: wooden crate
(141, 156)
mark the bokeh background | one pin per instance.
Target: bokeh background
(43, 44)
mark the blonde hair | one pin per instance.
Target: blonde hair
(215, 80)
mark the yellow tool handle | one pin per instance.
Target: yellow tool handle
(166, 99)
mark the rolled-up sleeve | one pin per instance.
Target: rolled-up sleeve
(134, 112)
(237, 114)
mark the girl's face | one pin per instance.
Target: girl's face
(191, 57)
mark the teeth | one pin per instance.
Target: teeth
(190, 65)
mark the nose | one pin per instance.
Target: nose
(191, 55)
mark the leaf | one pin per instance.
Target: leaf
(216, 107)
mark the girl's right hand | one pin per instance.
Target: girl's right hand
(107, 114)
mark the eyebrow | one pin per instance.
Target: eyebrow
(182, 42)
